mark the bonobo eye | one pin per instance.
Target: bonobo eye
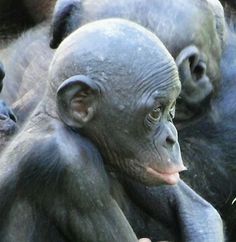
(155, 115)
(172, 111)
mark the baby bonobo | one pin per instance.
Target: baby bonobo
(108, 107)
(121, 94)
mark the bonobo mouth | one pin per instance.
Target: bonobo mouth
(167, 178)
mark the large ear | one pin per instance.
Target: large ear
(66, 18)
(196, 86)
(76, 100)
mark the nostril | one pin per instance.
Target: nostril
(12, 117)
(169, 135)
(170, 140)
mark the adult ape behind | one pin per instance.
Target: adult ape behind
(112, 87)
(197, 51)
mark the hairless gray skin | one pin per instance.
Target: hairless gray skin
(118, 88)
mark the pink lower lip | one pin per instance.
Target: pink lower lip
(170, 179)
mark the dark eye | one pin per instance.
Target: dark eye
(155, 115)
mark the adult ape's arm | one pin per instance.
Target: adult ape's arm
(180, 208)
(66, 179)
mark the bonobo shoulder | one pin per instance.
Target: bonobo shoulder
(61, 159)
(75, 149)
(62, 148)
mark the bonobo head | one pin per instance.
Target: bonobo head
(116, 83)
(192, 31)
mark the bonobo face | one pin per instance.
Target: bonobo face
(118, 86)
(139, 136)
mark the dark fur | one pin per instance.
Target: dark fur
(18, 16)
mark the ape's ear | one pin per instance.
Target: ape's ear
(66, 18)
(76, 100)
(196, 85)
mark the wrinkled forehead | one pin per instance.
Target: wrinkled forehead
(148, 79)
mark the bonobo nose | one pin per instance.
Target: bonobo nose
(170, 137)
(170, 140)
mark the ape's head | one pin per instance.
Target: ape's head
(117, 84)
